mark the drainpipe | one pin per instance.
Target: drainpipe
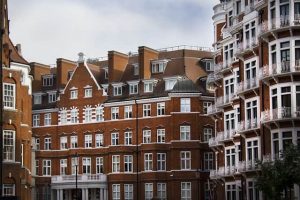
(137, 147)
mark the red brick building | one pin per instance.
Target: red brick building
(16, 119)
(256, 87)
(135, 126)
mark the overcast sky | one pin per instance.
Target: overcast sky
(50, 29)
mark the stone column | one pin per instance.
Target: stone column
(101, 194)
(83, 193)
(61, 194)
(105, 194)
(57, 194)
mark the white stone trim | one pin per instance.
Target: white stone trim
(185, 94)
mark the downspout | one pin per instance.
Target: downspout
(137, 147)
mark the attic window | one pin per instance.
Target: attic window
(106, 73)
(136, 69)
(48, 80)
(117, 89)
(158, 66)
(169, 84)
(208, 65)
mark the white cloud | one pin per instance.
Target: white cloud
(62, 28)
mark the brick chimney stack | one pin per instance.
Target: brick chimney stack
(146, 54)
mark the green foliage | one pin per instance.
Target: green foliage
(277, 178)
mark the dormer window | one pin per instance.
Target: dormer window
(148, 87)
(208, 64)
(52, 97)
(133, 87)
(136, 69)
(117, 90)
(106, 73)
(169, 83)
(48, 80)
(158, 66)
(37, 99)
(104, 89)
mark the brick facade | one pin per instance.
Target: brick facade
(102, 80)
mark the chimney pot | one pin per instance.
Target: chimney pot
(81, 58)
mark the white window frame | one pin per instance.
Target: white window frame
(88, 114)
(161, 161)
(117, 90)
(161, 135)
(86, 165)
(128, 112)
(9, 96)
(74, 141)
(206, 104)
(207, 134)
(9, 145)
(74, 94)
(146, 110)
(37, 99)
(185, 133)
(116, 194)
(148, 86)
(115, 163)
(114, 113)
(74, 116)
(148, 162)
(99, 114)
(128, 191)
(133, 88)
(128, 163)
(9, 189)
(128, 138)
(88, 141)
(185, 104)
(47, 143)
(115, 139)
(162, 191)
(161, 108)
(185, 160)
(46, 167)
(88, 92)
(99, 165)
(63, 142)
(47, 119)
(48, 80)
(36, 120)
(208, 161)
(99, 140)
(148, 191)
(186, 191)
(52, 97)
(63, 166)
(146, 136)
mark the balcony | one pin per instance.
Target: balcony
(218, 67)
(223, 101)
(244, 166)
(216, 174)
(285, 68)
(259, 3)
(247, 85)
(249, 125)
(215, 141)
(282, 23)
(81, 178)
(212, 109)
(213, 77)
(280, 114)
